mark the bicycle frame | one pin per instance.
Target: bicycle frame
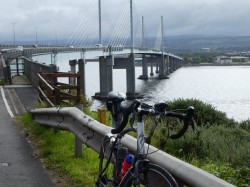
(142, 171)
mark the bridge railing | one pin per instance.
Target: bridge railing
(91, 132)
(102, 51)
(31, 69)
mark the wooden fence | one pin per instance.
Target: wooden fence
(56, 93)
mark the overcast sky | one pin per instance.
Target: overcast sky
(59, 18)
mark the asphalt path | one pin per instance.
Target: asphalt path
(18, 166)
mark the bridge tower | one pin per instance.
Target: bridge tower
(162, 62)
(143, 34)
(132, 26)
(100, 21)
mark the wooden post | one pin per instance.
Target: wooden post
(102, 115)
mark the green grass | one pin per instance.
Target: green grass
(56, 149)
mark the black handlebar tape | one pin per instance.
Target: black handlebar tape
(186, 118)
(122, 125)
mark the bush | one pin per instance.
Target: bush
(220, 146)
(205, 114)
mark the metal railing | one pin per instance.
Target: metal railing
(91, 132)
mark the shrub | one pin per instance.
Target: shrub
(205, 114)
(220, 146)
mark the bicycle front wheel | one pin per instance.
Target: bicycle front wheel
(151, 175)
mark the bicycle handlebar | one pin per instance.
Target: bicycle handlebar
(185, 117)
(157, 109)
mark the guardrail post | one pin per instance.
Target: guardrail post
(78, 142)
(102, 115)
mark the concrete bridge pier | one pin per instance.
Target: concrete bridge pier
(130, 73)
(162, 64)
(72, 64)
(167, 65)
(81, 66)
(106, 76)
(175, 64)
(129, 65)
(157, 63)
(151, 69)
(144, 68)
(171, 65)
(53, 57)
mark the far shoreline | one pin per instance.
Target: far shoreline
(210, 64)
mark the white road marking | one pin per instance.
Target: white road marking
(6, 103)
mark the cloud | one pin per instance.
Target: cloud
(208, 17)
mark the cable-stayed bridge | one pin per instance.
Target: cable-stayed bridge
(116, 47)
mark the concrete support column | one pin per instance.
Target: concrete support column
(130, 73)
(157, 67)
(72, 63)
(151, 69)
(128, 64)
(144, 68)
(167, 65)
(81, 66)
(162, 65)
(174, 64)
(53, 58)
(106, 76)
(171, 65)
(177, 63)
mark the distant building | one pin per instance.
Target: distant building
(231, 60)
(223, 60)
(240, 59)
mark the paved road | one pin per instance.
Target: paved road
(18, 167)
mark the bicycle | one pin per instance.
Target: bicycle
(142, 172)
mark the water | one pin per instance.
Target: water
(226, 88)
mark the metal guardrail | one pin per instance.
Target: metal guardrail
(91, 132)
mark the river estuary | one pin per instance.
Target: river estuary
(225, 87)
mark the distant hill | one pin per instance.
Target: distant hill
(207, 43)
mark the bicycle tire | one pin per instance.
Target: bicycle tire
(151, 175)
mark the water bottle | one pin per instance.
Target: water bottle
(127, 163)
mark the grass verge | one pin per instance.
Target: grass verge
(56, 150)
